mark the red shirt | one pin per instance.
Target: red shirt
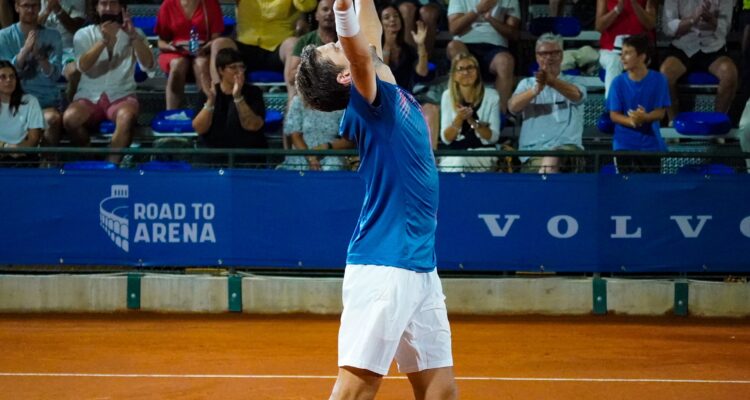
(627, 23)
(173, 26)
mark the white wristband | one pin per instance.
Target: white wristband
(347, 24)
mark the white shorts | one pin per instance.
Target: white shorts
(393, 313)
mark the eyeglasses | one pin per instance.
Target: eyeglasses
(553, 53)
(9, 77)
(466, 69)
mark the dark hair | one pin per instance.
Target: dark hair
(16, 98)
(227, 56)
(95, 17)
(641, 44)
(400, 38)
(316, 82)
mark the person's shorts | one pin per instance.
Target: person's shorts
(484, 53)
(104, 109)
(393, 313)
(259, 59)
(699, 62)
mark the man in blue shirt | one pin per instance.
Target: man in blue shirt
(393, 301)
(637, 102)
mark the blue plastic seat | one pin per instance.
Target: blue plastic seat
(707, 169)
(273, 120)
(699, 78)
(605, 123)
(146, 24)
(608, 169)
(139, 75)
(107, 127)
(230, 23)
(166, 166)
(89, 165)
(265, 76)
(702, 123)
(563, 26)
(163, 124)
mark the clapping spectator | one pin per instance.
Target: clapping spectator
(470, 117)
(699, 29)
(35, 51)
(66, 17)
(428, 12)
(176, 21)
(20, 114)
(405, 62)
(233, 114)
(616, 20)
(485, 29)
(552, 109)
(107, 53)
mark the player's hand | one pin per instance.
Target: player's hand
(421, 34)
(342, 5)
(485, 6)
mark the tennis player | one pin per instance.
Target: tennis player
(394, 305)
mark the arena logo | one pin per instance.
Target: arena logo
(155, 223)
(566, 226)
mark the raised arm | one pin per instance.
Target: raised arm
(352, 33)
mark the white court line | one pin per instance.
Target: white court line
(459, 378)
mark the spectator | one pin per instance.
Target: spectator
(66, 17)
(107, 52)
(307, 129)
(174, 28)
(699, 28)
(485, 28)
(429, 12)
(470, 117)
(266, 33)
(616, 20)
(20, 114)
(404, 61)
(233, 114)
(552, 107)
(324, 34)
(638, 101)
(36, 52)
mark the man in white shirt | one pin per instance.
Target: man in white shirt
(484, 28)
(66, 17)
(106, 56)
(699, 29)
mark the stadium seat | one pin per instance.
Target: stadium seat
(107, 128)
(274, 119)
(146, 24)
(265, 76)
(563, 26)
(89, 165)
(174, 121)
(699, 78)
(230, 23)
(702, 123)
(605, 123)
(608, 169)
(166, 166)
(706, 169)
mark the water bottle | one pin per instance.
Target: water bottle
(193, 44)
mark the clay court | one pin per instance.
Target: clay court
(143, 355)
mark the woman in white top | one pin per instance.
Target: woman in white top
(21, 121)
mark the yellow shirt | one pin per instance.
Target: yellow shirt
(746, 5)
(266, 23)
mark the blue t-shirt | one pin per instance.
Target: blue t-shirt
(397, 223)
(651, 92)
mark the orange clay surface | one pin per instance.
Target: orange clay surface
(140, 355)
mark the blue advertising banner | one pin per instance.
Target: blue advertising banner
(285, 219)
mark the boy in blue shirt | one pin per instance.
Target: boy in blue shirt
(393, 300)
(638, 100)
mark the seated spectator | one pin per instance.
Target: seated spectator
(552, 107)
(107, 52)
(266, 33)
(637, 101)
(405, 62)
(430, 12)
(699, 29)
(325, 33)
(36, 51)
(20, 114)
(174, 28)
(485, 28)
(307, 129)
(66, 17)
(233, 115)
(469, 117)
(616, 20)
